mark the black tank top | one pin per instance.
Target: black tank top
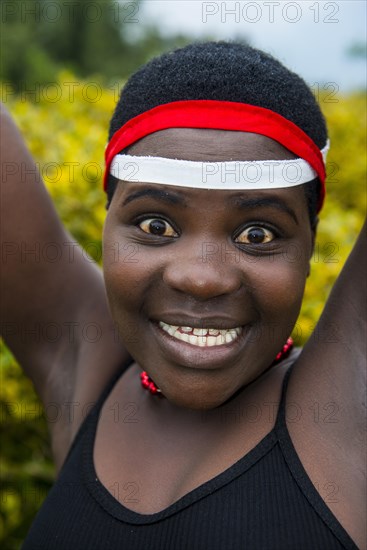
(265, 501)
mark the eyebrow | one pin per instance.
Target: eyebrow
(237, 201)
(165, 196)
(268, 202)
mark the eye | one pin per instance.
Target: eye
(255, 235)
(157, 226)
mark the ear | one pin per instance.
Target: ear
(313, 240)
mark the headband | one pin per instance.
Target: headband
(219, 115)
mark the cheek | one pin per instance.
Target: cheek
(125, 278)
(279, 291)
(120, 264)
(124, 274)
(130, 272)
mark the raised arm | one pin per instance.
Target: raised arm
(54, 314)
(328, 390)
(339, 340)
(332, 366)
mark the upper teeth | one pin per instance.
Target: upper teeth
(203, 337)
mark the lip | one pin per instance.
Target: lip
(186, 354)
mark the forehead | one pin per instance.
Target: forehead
(204, 144)
(214, 145)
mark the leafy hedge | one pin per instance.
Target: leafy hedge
(65, 127)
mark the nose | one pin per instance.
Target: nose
(203, 275)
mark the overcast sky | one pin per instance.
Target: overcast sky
(311, 38)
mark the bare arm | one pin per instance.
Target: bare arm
(339, 340)
(328, 387)
(54, 314)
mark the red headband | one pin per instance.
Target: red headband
(218, 115)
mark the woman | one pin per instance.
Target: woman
(215, 175)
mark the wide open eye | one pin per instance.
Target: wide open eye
(157, 226)
(255, 235)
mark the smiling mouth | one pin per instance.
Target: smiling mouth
(202, 337)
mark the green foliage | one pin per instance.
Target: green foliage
(72, 134)
(101, 38)
(26, 465)
(345, 206)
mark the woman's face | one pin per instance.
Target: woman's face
(235, 262)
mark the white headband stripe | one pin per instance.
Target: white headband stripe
(264, 174)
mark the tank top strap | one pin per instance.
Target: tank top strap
(94, 410)
(280, 421)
